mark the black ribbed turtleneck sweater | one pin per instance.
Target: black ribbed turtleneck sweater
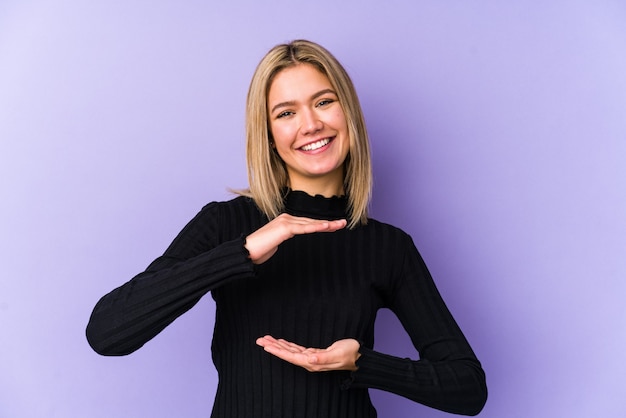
(316, 289)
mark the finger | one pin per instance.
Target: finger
(286, 347)
(289, 219)
(296, 358)
(332, 226)
(292, 346)
(320, 358)
(310, 362)
(279, 344)
(318, 226)
(266, 340)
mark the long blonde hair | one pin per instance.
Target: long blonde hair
(267, 174)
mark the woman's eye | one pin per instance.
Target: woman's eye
(283, 114)
(324, 102)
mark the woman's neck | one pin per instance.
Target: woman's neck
(318, 188)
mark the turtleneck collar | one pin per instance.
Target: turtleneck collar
(300, 203)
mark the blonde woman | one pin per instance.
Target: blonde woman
(297, 269)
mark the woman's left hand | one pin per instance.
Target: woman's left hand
(342, 355)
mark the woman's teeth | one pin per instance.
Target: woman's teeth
(315, 145)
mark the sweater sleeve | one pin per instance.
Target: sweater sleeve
(448, 376)
(195, 263)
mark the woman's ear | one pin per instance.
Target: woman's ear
(270, 137)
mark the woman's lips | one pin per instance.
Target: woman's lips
(316, 145)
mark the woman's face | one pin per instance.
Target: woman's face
(309, 129)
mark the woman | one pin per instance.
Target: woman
(298, 271)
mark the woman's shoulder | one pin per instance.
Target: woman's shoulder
(384, 226)
(236, 209)
(384, 231)
(237, 202)
(226, 219)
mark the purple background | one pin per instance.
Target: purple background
(499, 141)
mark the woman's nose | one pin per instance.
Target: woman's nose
(311, 123)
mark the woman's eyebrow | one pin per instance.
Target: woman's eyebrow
(292, 103)
(323, 92)
(283, 104)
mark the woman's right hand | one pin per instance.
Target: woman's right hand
(263, 243)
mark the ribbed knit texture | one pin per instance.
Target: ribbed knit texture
(316, 289)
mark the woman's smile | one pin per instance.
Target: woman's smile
(317, 145)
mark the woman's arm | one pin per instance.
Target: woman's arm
(448, 375)
(196, 262)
